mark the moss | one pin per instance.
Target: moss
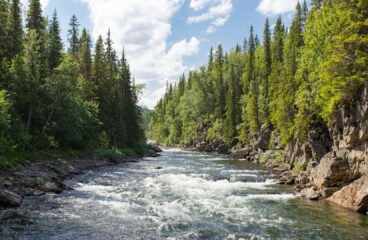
(274, 156)
(298, 168)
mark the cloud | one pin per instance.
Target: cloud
(198, 4)
(143, 27)
(218, 13)
(44, 3)
(276, 7)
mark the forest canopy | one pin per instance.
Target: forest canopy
(290, 80)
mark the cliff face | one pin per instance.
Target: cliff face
(335, 156)
(343, 171)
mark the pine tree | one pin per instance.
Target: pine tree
(85, 63)
(73, 36)
(219, 84)
(245, 45)
(55, 45)
(253, 95)
(316, 4)
(277, 55)
(230, 115)
(267, 73)
(14, 29)
(286, 94)
(35, 20)
(3, 30)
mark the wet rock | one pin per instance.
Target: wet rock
(241, 153)
(353, 196)
(37, 193)
(51, 187)
(222, 149)
(311, 194)
(158, 168)
(10, 199)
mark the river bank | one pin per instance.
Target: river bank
(179, 195)
(39, 177)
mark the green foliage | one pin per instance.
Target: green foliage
(292, 80)
(54, 102)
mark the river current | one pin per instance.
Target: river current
(180, 195)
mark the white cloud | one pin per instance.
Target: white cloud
(143, 27)
(276, 7)
(218, 13)
(198, 4)
(44, 3)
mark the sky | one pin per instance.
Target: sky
(166, 38)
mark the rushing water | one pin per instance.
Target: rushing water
(180, 195)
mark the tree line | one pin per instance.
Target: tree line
(290, 81)
(59, 99)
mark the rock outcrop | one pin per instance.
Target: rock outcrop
(353, 196)
(343, 172)
(310, 153)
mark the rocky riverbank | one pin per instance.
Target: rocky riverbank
(332, 163)
(37, 178)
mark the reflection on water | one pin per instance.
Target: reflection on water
(181, 195)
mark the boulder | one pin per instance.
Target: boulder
(10, 199)
(353, 196)
(222, 149)
(51, 187)
(241, 153)
(310, 193)
(333, 171)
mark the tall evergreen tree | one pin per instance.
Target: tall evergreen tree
(230, 115)
(15, 29)
(220, 92)
(286, 95)
(35, 20)
(73, 36)
(55, 45)
(3, 30)
(253, 95)
(267, 73)
(85, 63)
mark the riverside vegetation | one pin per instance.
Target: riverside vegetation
(56, 100)
(297, 102)
(60, 104)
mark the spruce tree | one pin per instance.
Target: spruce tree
(277, 55)
(230, 115)
(267, 73)
(85, 63)
(219, 84)
(253, 95)
(55, 45)
(3, 30)
(35, 20)
(73, 36)
(15, 29)
(286, 94)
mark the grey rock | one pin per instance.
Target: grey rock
(10, 199)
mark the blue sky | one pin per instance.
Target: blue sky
(164, 38)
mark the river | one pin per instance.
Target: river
(180, 195)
